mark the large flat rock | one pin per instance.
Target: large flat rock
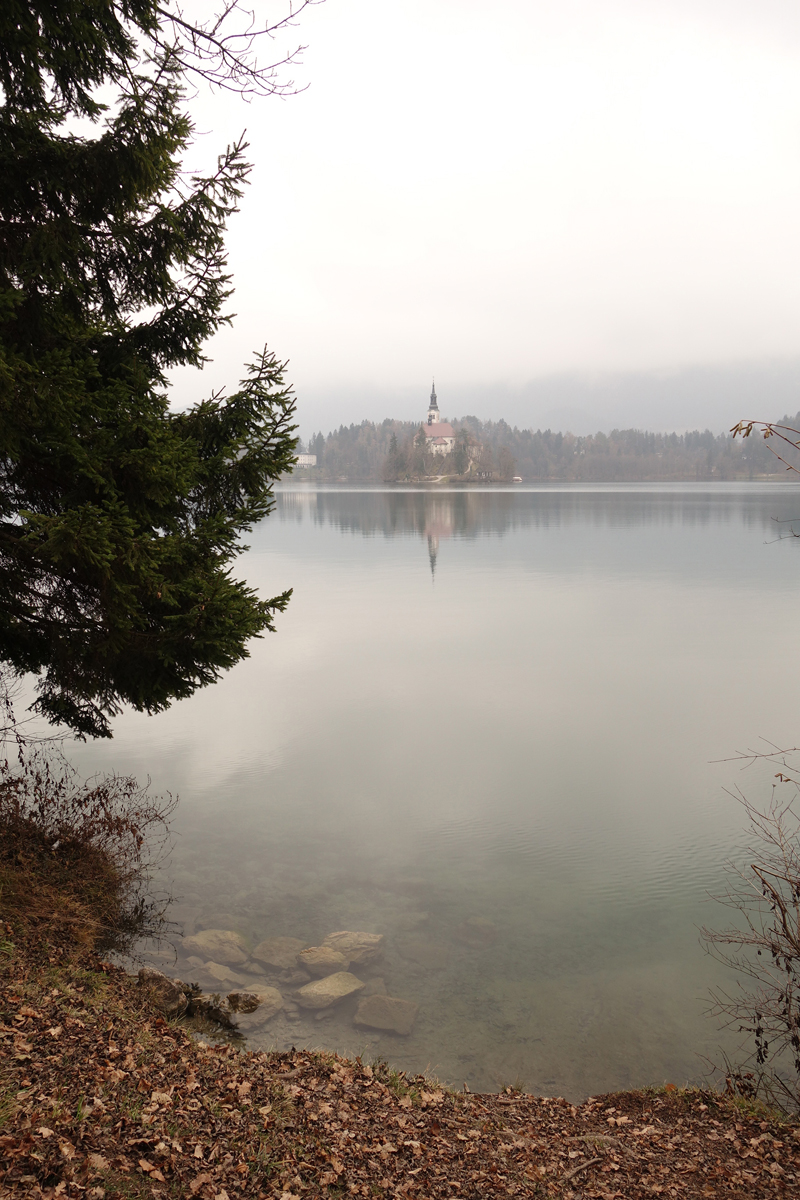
(387, 1013)
(322, 993)
(219, 945)
(320, 961)
(357, 947)
(278, 952)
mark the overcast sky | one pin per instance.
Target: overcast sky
(516, 195)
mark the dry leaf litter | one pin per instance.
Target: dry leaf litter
(101, 1098)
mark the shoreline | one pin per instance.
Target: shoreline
(454, 481)
(103, 1097)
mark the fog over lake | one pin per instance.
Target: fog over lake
(486, 729)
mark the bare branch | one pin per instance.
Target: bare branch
(224, 50)
(772, 429)
(764, 942)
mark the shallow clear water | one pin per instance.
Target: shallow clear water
(500, 704)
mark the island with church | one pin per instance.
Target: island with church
(433, 450)
(468, 450)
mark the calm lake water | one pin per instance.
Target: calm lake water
(494, 704)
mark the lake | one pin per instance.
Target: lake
(486, 728)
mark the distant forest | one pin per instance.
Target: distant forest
(393, 451)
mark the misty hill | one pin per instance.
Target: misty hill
(704, 396)
(367, 453)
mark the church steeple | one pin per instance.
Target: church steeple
(433, 407)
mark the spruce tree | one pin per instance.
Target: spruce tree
(119, 518)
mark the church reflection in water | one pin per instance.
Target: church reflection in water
(435, 514)
(439, 525)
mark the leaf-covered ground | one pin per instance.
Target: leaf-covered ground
(101, 1098)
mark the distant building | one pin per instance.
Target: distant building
(440, 437)
(306, 460)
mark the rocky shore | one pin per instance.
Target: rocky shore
(279, 978)
(103, 1095)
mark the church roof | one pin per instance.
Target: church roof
(439, 429)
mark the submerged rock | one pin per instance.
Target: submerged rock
(357, 947)
(477, 932)
(430, 955)
(413, 920)
(263, 1005)
(213, 1009)
(375, 987)
(241, 1010)
(387, 1013)
(322, 993)
(220, 973)
(278, 952)
(322, 960)
(243, 1002)
(220, 945)
(167, 994)
(295, 978)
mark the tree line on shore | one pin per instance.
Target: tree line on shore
(493, 451)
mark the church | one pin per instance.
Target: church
(440, 437)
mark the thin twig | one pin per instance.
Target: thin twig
(590, 1162)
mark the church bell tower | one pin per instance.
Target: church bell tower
(433, 407)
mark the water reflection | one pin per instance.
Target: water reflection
(480, 512)
(438, 515)
(506, 775)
